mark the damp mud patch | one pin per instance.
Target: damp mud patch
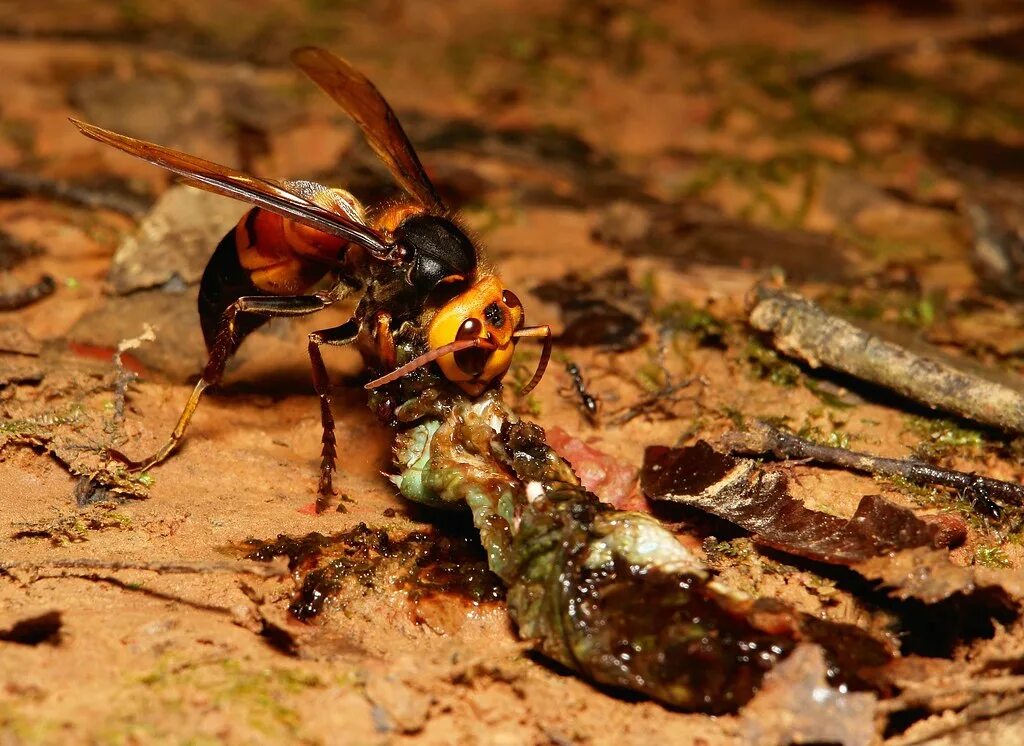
(426, 565)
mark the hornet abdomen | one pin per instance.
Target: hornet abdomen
(266, 254)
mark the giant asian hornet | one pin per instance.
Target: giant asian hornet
(411, 260)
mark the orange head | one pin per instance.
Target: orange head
(473, 336)
(485, 311)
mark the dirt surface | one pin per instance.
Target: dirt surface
(702, 147)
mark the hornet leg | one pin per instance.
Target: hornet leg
(297, 305)
(337, 336)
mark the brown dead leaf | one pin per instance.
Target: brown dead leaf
(738, 491)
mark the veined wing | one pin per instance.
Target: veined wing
(361, 100)
(269, 195)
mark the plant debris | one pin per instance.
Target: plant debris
(170, 567)
(691, 233)
(796, 705)
(804, 330)
(111, 196)
(975, 32)
(72, 412)
(610, 593)
(991, 496)
(612, 480)
(996, 216)
(15, 340)
(189, 219)
(738, 491)
(889, 189)
(927, 575)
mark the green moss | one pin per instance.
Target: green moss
(931, 497)
(682, 316)
(40, 426)
(74, 528)
(716, 549)
(941, 437)
(766, 364)
(260, 697)
(816, 434)
(991, 556)
(837, 439)
(920, 313)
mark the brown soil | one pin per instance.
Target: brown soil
(668, 138)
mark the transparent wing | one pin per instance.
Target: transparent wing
(269, 195)
(361, 100)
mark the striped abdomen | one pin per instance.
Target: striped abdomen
(266, 254)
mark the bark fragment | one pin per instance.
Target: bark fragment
(802, 329)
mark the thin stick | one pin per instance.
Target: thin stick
(924, 696)
(804, 330)
(28, 295)
(267, 570)
(986, 29)
(125, 377)
(17, 184)
(659, 401)
(762, 438)
(974, 712)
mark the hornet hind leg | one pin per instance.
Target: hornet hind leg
(336, 336)
(225, 343)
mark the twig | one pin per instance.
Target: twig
(974, 712)
(804, 330)
(28, 295)
(928, 696)
(18, 184)
(762, 438)
(273, 569)
(14, 251)
(656, 402)
(986, 29)
(124, 376)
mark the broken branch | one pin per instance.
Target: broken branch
(804, 330)
(28, 295)
(17, 184)
(262, 570)
(987, 29)
(984, 492)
